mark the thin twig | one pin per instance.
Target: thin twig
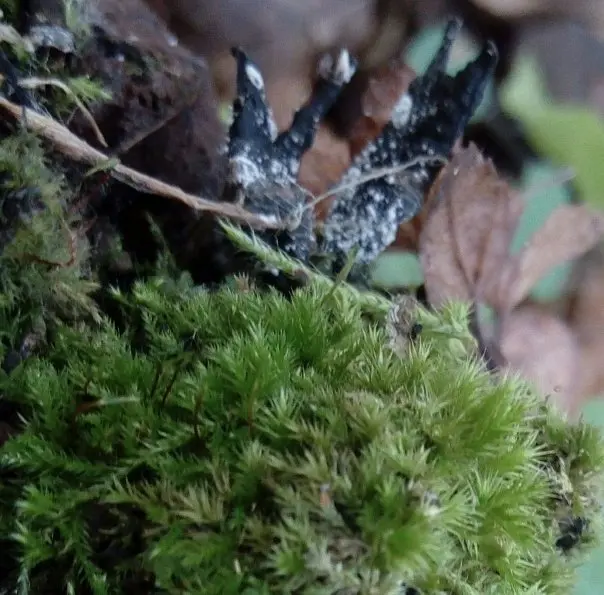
(379, 173)
(373, 175)
(74, 147)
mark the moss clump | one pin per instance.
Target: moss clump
(43, 253)
(241, 442)
(237, 441)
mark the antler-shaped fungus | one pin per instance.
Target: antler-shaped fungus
(264, 164)
(426, 122)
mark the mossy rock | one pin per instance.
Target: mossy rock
(241, 442)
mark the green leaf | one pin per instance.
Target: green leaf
(570, 135)
(397, 269)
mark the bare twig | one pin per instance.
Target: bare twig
(378, 173)
(75, 148)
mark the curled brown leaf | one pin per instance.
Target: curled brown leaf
(465, 253)
(466, 238)
(587, 12)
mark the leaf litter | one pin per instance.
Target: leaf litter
(465, 252)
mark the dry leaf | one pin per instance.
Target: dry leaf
(284, 37)
(409, 232)
(444, 279)
(586, 307)
(484, 212)
(466, 240)
(590, 378)
(323, 166)
(586, 318)
(381, 90)
(544, 350)
(464, 249)
(569, 232)
(466, 237)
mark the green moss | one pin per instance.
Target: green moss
(43, 256)
(238, 442)
(241, 442)
(10, 9)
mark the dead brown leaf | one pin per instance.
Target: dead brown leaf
(466, 237)
(465, 244)
(323, 166)
(569, 232)
(443, 277)
(284, 37)
(382, 89)
(589, 13)
(585, 315)
(544, 350)
(465, 254)
(409, 233)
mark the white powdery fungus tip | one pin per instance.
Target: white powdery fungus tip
(269, 220)
(344, 69)
(402, 111)
(325, 66)
(172, 40)
(244, 171)
(273, 130)
(255, 76)
(339, 71)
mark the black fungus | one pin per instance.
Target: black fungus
(426, 123)
(263, 164)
